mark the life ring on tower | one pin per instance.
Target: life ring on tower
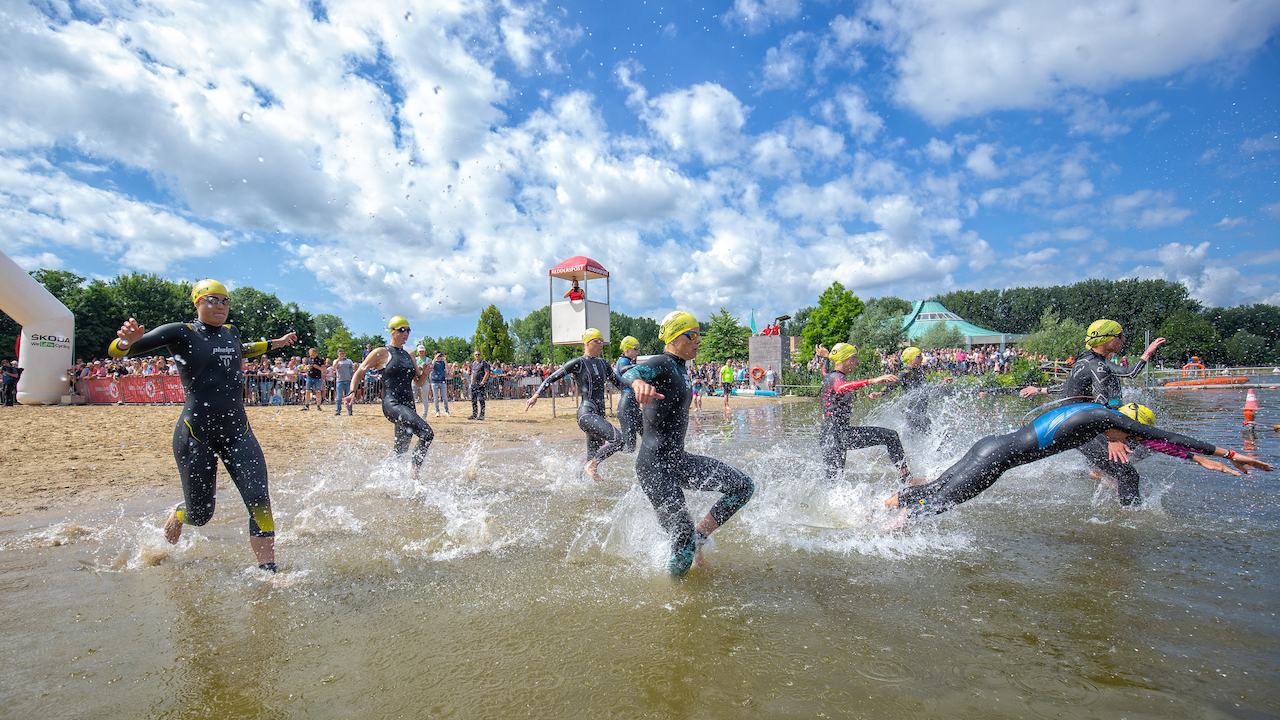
(757, 373)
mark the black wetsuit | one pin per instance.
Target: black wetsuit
(399, 407)
(478, 372)
(663, 467)
(837, 437)
(213, 423)
(1056, 431)
(629, 415)
(912, 381)
(1095, 379)
(590, 375)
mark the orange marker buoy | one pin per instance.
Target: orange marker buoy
(1250, 406)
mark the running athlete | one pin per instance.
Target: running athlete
(837, 437)
(726, 382)
(663, 467)
(629, 415)
(1056, 431)
(1094, 378)
(913, 382)
(590, 373)
(399, 374)
(213, 423)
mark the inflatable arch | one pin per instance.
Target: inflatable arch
(45, 342)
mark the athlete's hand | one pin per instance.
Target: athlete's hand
(1208, 464)
(885, 379)
(287, 340)
(878, 394)
(645, 393)
(1028, 391)
(821, 351)
(130, 332)
(1244, 462)
(533, 400)
(1118, 451)
(1155, 345)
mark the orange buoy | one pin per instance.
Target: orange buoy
(1250, 406)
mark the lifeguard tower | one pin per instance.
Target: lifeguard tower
(570, 317)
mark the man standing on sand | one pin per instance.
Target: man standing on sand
(314, 366)
(479, 376)
(343, 369)
(726, 381)
(213, 425)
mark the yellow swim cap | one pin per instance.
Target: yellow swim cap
(207, 287)
(592, 334)
(675, 324)
(1141, 413)
(842, 352)
(397, 322)
(628, 342)
(1101, 331)
(910, 354)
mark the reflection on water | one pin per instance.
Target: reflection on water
(503, 584)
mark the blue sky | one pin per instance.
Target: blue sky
(427, 159)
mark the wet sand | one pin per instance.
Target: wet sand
(59, 457)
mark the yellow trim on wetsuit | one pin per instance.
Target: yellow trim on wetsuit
(262, 516)
(115, 351)
(255, 349)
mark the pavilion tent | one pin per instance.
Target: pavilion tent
(928, 313)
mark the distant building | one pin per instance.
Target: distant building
(927, 313)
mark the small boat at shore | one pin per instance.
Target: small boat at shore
(1199, 382)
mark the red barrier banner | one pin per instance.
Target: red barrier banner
(142, 389)
(173, 391)
(101, 390)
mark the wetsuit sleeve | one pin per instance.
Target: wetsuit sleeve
(254, 349)
(1147, 432)
(851, 385)
(649, 371)
(153, 340)
(1121, 371)
(1161, 446)
(612, 376)
(560, 372)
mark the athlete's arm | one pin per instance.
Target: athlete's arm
(560, 372)
(375, 360)
(855, 384)
(640, 377)
(251, 350)
(134, 340)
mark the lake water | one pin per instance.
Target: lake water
(502, 585)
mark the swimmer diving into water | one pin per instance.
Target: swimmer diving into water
(399, 374)
(213, 423)
(837, 437)
(590, 372)
(1054, 432)
(663, 467)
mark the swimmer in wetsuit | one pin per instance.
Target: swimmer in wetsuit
(213, 423)
(913, 382)
(1054, 432)
(399, 374)
(629, 415)
(590, 372)
(1094, 378)
(837, 437)
(663, 467)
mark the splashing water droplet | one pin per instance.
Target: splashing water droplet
(408, 17)
(259, 159)
(245, 117)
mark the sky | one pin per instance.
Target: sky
(428, 159)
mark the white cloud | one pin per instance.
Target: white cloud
(756, 15)
(1266, 143)
(1216, 283)
(938, 151)
(982, 162)
(1146, 209)
(864, 124)
(1226, 223)
(964, 59)
(705, 120)
(784, 65)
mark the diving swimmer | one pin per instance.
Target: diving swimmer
(590, 372)
(837, 437)
(1094, 378)
(399, 374)
(213, 423)
(1054, 432)
(629, 415)
(663, 467)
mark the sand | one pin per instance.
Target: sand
(60, 457)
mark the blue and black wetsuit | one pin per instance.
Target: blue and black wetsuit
(590, 375)
(1056, 431)
(663, 468)
(629, 415)
(213, 424)
(399, 407)
(837, 437)
(1094, 379)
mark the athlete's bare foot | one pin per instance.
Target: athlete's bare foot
(173, 528)
(891, 502)
(697, 558)
(590, 470)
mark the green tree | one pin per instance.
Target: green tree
(458, 349)
(1187, 333)
(1245, 348)
(1056, 339)
(879, 327)
(940, 335)
(366, 344)
(641, 328)
(723, 339)
(831, 321)
(262, 316)
(151, 299)
(532, 336)
(799, 319)
(492, 339)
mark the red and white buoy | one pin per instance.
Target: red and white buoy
(1250, 407)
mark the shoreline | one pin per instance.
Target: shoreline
(58, 456)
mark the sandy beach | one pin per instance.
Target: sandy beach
(56, 457)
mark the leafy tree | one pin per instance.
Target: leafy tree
(98, 317)
(1187, 333)
(1260, 320)
(261, 316)
(831, 321)
(1056, 339)
(879, 327)
(723, 339)
(799, 319)
(151, 299)
(339, 338)
(641, 328)
(326, 325)
(366, 344)
(532, 336)
(492, 339)
(1245, 348)
(456, 348)
(940, 335)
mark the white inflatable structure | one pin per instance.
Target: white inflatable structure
(44, 344)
